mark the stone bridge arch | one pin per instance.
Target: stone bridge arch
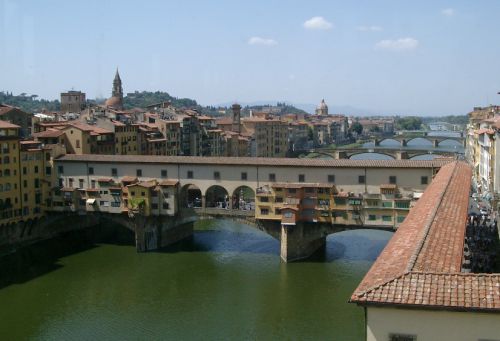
(390, 156)
(190, 196)
(455, 142)
(243, 198)
(216, 196)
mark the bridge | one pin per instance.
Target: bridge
(404, 139)
(299, 201)
(397, 154)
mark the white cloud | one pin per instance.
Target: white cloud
(317, 23)
(262, 41)
(369, 28)
(448, 12)
(402, 44)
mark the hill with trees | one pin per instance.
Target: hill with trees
(28, 103)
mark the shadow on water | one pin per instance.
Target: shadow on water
(363, 245)
(221, 235)
(43, 257)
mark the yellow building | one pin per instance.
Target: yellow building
(10, 202)
(126, 138)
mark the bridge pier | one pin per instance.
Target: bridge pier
(340, 155)
(400, 155)
(404, 143)
(152, 233)
(300, 241)
(376, 142)
(435, 143)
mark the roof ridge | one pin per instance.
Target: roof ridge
(430, 221)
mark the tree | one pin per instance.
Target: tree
(357, 128)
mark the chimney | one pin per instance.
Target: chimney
(236, 118)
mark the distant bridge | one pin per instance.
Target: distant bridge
(396, 154)
(404, 139)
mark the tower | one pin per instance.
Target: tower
(117, 86)
(236, 127)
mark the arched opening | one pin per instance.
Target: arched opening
(190, 197)
(419, 142)
(244, 199)
(217, 197)
(450, 143)
(425, 157)
(371, 156)
(390, 143)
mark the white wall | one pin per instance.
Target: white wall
(432, 325)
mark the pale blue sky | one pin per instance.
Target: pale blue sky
(413, 57)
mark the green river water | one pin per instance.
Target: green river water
(226, 283)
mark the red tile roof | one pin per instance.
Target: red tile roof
(8, 125)
(254, 161)
(421, 264)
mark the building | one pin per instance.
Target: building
(416, 289)
(72, 101)
(116, 99)
(322, 109)
(18, 117)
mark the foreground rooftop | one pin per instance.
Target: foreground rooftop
(420, 266)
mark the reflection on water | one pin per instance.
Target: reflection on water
(227, 282)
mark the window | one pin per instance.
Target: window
(80, 183)
(92, 184)
(138, 172)
(143, 194)
(424, 180)
(302, 178)
(165, 206)
(392, 179)
(272, 177)
(401, 218)
(387, 204)
(244, 176)
(402, 204)
(25, 183)
(60, 169)
(25, 171)
(264, 199)
(331, 178)
(154, 206)
(278, 199)
(292, 190)
(37, 183)
(163, 173)
(402, 337)
(216, 175)
(264, 211)
(190, 174)
(36, 169)
(361, 179)
(77, 143)
(372, 217)
(386, 218)
(91, 170)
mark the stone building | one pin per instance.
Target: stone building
(72, 101)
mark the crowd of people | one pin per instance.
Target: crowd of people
(481, 242)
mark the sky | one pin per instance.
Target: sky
(389, 57)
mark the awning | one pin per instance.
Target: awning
(91, 201)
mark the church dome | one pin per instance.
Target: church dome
(114, 102)
(323, 105)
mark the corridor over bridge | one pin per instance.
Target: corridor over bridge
(298, 201)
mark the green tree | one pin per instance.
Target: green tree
(357, 128)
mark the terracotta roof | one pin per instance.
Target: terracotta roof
(8, 125)
(421, 264)
(129, 179)
(168, 182)
(67, 189)
(49, 133)
(4, 108)
(253, 161)
(105, 180)
(146, 184)
(302, 185)
(388, 186)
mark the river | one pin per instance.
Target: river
(227, 282)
